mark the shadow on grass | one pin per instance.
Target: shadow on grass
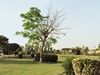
(17, 61)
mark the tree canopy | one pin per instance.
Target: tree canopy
(3, 40)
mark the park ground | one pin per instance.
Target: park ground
(15, 66)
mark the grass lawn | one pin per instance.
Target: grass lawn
(28, 67)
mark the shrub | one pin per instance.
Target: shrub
(10, 48)
(68, 65)
(20, 55)
(32, 55)
(46, 58)
(49, 58)
(15, 53)
(76, 51)
(86, 66)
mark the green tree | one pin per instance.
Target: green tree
(38, 28)
(66, 50)
(3, 41)
(76, 50)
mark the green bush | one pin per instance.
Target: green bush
(10, 48)
(32, 55)
(46, 58)
(49, 58)
(20, 55)
(86, 66)
(15, 53)
(68, 65)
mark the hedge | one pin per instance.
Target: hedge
(49, 58)
(67, 65)
(46, 58)
(86, 66)
(71, 67)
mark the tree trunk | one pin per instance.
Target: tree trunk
(40, 58)
(41, 52)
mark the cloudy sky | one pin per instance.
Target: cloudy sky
(83, 17)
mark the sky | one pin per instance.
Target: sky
(82, 16)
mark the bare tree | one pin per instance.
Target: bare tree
(50, 27)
